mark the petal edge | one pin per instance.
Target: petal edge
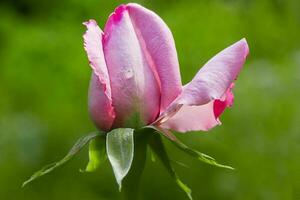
(100, 101)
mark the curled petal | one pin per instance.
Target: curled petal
(94, 48)
(100, 100)
(216, 76)
(205, 98)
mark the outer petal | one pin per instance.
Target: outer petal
(204, 99)
(135, 90)
(203, 117)
(158, 41)
(216, 76)
(100, 101)
(100, 107)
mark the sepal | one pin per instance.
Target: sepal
(120, 151)
(158, 148)
(97, 153)
(81, 142)
(194, 153)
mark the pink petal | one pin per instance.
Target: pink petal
(203, 117)
(100, 101)
(221, 105)
(158, 42)
(100, 107)
(191, 118)
(135, 90)
(215, 77)
(205, 98)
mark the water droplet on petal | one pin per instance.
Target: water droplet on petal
(128, 73)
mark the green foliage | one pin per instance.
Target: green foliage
(126, 151)
(200, 156)
(74, 150)
(120, 151)
(158, 147)
(97, 153)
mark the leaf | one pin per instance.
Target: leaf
(200, 156)
(97, 153)
(74, 150)
(120, 151)
(157, 146)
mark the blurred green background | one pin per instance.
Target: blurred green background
(44, 76)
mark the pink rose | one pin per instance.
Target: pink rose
(136, 80)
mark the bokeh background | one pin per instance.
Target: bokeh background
(44, 76)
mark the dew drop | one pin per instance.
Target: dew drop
(128, 73)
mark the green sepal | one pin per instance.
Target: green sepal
(158, 148)
(120, 151)
(97, 153)
(81, 142)
(200, 156)
(194, 153)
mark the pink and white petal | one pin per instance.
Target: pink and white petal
(100, 101)
(157, 40)
(203, 117)
(191, 118)
(135, 90)
(100, 108)
(216, 76)
(93, 46)
(205, 98)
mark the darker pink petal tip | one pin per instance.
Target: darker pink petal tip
(220, 105)
(117, 15)
(114, 18)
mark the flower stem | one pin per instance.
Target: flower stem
(130, 184)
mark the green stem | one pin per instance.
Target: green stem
(130, 184)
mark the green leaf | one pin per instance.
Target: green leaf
(74, 150)
(157, 146)
(97, 153)
(120, 151)
(200, 156)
